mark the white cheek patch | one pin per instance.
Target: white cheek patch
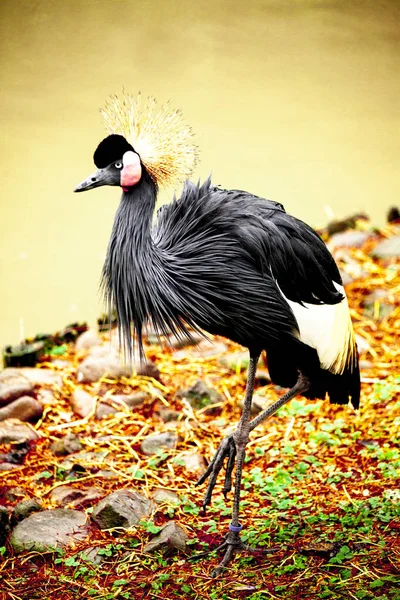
(132, 170)
(130, 158)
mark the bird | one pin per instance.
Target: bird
(223, 262)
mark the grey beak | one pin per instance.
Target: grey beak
(95, 180)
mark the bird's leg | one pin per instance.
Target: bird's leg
(236, 443)
(229, 445)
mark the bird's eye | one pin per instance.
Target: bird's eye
(118, 165)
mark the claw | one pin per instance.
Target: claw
(227, 449)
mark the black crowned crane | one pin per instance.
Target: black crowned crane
(226, 262)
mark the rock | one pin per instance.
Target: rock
(90, 495)
(16, 454)
(184, 342)
(13, 385)
(171, 534)
(6, 466)
(87, 340)
(161, 496)
(4, 524)
(123, 508)
(324, 549)
(389, 248)
(383, 310)
(103, 409)
(12, 430)
(346, 277)
(199, 395)
(93, 368)
(192, 461)
(49, 529)
(42, 376)
(350, 239)
(93, 458)
(14, 493)
(365, 364)
(205, 349)
(25, 408)
(82, 403)
(60, 363)
(262, 377)
(64, 494)
(153, 443)
(66, 445)
(236, 361)
(257, 405)
(362, 344)
(148, 369)
(130, 400)
(168, 414)
(25, 508)
(91, 555)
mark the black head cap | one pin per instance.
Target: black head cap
(112, 148)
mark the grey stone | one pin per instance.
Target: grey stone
(236, 361)
(87, 340)
(199, 395)
(257, 405)
(130, 400)
(152, 443)
(93, 368)
(14, 493)
(205, 349)
(148, 369)
(161, 496)
(192, 461)
(171, 534)
(362, 344)
(389, 248)
(350, 239)
(25, 408)
(346, 277)
(168, 414)
(90, 495)
(366, 364)
(82, 403)
(184, 342)
(262, 377)
(92, 555)
(66, 445)
(93, 458)
(103, 409)
(64, 494)
(123, 508)
(27, 507)
(12, 430)
(49, 529)
(41, 376)
(4, 524)
(6, 466)
(13, 385)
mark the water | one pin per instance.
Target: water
(296, 100)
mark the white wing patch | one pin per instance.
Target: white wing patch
(328, 329)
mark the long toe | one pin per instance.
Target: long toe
(227, 450)
(229, 469)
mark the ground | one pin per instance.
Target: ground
(321, 482)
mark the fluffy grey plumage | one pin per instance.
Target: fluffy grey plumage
(214, 261)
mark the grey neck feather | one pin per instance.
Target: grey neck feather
(131, 255)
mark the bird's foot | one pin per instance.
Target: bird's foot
(232, 544)
(227, 449)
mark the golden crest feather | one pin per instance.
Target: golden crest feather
(158, 134)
